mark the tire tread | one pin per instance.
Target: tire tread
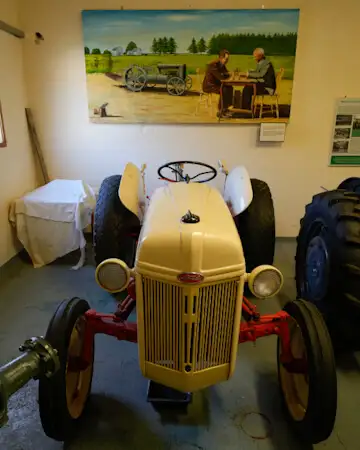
(56, 421)
(113, 223)
(319, 419)
(256, 227)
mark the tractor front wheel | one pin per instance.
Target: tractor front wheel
(188, 82)
(176, 86)
(63, 397)
(309, 387)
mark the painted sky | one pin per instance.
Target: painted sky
(109, 29)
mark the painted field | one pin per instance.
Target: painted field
(108, 63)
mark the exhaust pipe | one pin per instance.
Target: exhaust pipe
(38, 359)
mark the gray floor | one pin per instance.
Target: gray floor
(119, 416)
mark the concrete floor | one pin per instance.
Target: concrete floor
(119, 417)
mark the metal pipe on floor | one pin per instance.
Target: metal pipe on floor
(11, 30)
(39, 359)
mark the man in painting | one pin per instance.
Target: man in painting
(264, 74)
(215, 72)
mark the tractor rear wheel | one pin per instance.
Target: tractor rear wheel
(328, 260)
(256, 227)
(350, 184)
(113, 225)
(308, 384)
(63, 397)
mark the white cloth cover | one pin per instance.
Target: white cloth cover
(50, 220)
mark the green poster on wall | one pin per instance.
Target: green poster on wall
(345, 143)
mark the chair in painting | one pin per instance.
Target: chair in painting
(270, 100)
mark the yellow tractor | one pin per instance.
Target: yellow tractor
(185, 260)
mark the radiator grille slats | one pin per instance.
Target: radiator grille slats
(188, 332)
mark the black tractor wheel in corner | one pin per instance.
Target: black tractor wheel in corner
(63, 397)
(114, 225)
(350, 184)
(328, 260)
(308, 383)
(256, 227)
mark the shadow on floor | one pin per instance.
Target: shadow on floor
(110, 424)
(269, 400)
(196, 414)
(160, 90)
(348, 362)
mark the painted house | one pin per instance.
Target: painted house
(135, 52)
(117, 51)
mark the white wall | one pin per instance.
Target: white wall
(326, 68)
(17, 171)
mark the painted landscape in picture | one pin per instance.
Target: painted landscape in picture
(190, 66)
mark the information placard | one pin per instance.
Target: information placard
(345, 143)
(272, 132)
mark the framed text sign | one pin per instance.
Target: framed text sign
(345, 143)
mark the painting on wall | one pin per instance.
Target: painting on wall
(190, 66)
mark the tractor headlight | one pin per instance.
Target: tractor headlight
(113, 275)
(265, 281)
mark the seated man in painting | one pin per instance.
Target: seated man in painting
(215, 72)
(264, 74)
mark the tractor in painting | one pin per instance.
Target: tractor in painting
(185, 259)
(172, 76)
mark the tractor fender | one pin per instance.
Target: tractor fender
(131, 190)
(238, 193)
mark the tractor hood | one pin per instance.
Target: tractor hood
(171, 243)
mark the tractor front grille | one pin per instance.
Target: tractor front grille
(188, 329)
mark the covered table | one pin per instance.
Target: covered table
(50, 220)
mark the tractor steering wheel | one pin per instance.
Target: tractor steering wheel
(178, 171)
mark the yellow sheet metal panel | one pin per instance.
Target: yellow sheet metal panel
(187, 382)
(131, 190)
(188, 334)
(211, 246)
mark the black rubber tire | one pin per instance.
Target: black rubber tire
(338, 214)
(319, 419)
(256, 227)
(350, 184)
(55, 418)
(113, 224)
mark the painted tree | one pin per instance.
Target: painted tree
(172, 45)
(244, 43)
(155, 46)
(160, 46)
(131, 46)
(165, 45)
(95, 51)
(107, 52)
(87, 51)
(201, 45)
(193, 47)
(211, 44)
